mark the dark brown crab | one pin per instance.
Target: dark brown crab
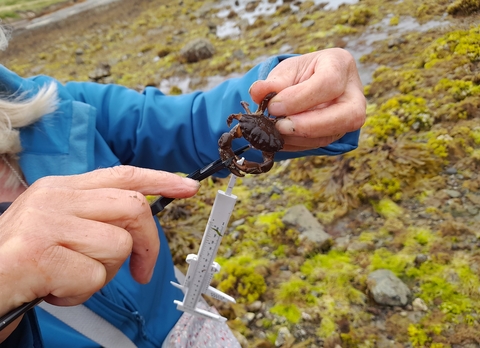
(259, 130)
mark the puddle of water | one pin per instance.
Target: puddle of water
(357, 46)
(264, 8)
(228, 29)
(63, 13)
(185, 83)
(335, 4)
(363, 44)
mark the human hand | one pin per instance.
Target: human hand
(320, 93)
(65, 237)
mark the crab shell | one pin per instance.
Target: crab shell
(254, 126)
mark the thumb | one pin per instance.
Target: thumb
(259, 89)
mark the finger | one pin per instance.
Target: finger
(108, 244)
(73, 280)
(146, 181)
(304, 82)
(125, 209)
(293, 144)
(346, 114)
(55, 270)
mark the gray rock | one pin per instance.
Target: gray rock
(359, 246)
(420, 258)
(387, 289)
(283, 335)
(197, 50)
(248, 317)
(306, 316)
(255, 306)
(308, 24)
(342, 243)
(451, 170)
(311, 230)
(453, 193)
(419, 305)
(384, 342)
(101, 71)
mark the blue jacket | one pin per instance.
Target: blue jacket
(99, 126)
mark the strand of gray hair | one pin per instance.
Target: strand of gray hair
(17, 111)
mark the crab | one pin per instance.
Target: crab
(259, 130)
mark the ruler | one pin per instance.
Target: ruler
(201, 266)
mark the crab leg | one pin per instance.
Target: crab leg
(226, 152)
(263, 105)
(254, 167)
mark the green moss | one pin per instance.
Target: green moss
(271, 223)
(457, 89)
(457, 297)
(464, 7)
(394, 20)
(238, 325)
(460, 45)
(327, 328)
(476, 155)
(438, 142)
(267, 323)
(296, 194)
(295, 291)
(422, 111)
(418, 337)
(391, 187)
(438, 345)
(367, 237)
(280, 252)
(175, 90)
(332, 276)
(289, 312)
(423, 236)
(475, 135)
(360, 16)
(9, 14)
(397, 115)
(238, 275)
(387, 208)
(395, 262)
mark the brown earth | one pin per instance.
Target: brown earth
(423, 171)
(26, 42)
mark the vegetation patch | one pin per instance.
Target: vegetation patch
(406, 200)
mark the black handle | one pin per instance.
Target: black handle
(11, 316)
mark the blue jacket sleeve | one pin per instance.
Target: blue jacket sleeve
(27, 333)
(179, 133)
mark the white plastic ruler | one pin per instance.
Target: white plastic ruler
(202, 267)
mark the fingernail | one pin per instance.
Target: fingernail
(285, 126)
(277, 108)
(250, 89)
(192, 183)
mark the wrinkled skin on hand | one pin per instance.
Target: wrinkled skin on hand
(260, 131)
(65, 237)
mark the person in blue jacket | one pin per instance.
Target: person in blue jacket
(77, 160)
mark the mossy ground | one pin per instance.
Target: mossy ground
(11, 10)
(394, 193)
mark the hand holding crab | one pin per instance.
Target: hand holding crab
(259, 130)
(320, 97)
(320, 94)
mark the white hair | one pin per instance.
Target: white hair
(5, 34)
(18, 110)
